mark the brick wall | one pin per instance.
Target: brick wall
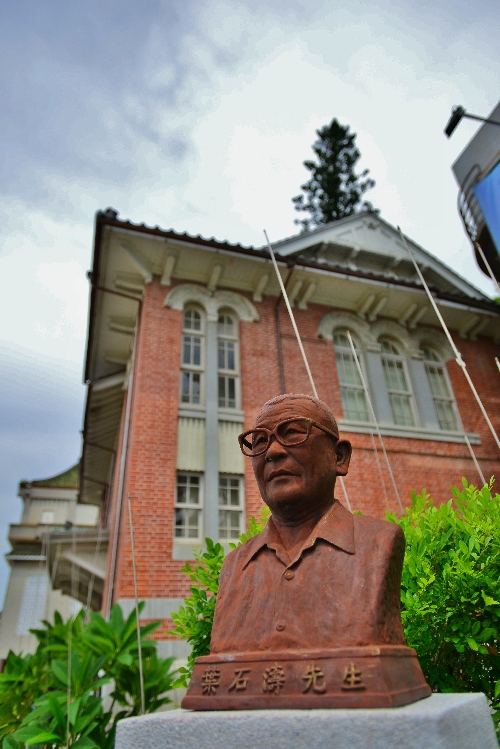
(151, 471)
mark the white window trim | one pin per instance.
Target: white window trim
(193, 541)
(235, 373)
(409, 384)
(451, 398)
(361, 359)
(240, 509)
(194, 368)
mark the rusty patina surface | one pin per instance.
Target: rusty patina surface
(308, 612)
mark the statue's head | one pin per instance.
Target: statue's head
(296, 454)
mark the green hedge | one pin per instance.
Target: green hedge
(450, 591)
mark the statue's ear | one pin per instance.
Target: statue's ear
(343, 450)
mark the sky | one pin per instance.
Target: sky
(197, 116)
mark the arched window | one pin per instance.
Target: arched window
(227, 360)
(397, 382)
(441, 390)
(351, 386)
(193, 356)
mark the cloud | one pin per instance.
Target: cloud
(41, 402)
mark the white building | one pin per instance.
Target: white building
(50, 523)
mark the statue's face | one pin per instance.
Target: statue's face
(295, 480)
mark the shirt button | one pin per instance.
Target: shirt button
(280, 626)
(289, 575)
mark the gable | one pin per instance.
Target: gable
(367, 243)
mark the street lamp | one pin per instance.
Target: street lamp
(456, 115)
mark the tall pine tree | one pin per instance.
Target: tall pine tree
(334, 190)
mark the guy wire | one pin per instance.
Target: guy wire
(458, 356)
(374, 418)
(134, 570)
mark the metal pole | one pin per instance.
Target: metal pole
(458, 356)
(139, 647)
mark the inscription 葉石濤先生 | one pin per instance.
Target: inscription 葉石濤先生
(210, 681)
(352, 678)
(274, 679)
(240, 681)
(314, 677)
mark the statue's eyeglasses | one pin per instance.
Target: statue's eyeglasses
(288, 433)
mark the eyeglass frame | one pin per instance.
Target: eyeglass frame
(270, 432)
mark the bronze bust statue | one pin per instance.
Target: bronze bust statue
(308, 612)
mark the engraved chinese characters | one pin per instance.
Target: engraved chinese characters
(352, 678)
(240, 681)
(210, 680)
(274, 679)
(314, 677)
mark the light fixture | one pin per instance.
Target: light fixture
(456, 115)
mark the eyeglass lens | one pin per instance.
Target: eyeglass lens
(288, 433)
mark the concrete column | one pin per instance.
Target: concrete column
(423, 395)
(378, 388)
(211, 440)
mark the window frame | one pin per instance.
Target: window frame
(193, 369)
(441, 366)
(230, 373)
(343, 350)
(401, 358)
(199, 508)
(240, 509)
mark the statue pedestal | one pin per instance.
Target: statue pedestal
(360, 677)
(442, 721)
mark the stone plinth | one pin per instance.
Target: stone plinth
(442, 721)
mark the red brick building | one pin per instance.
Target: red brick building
(187, 339)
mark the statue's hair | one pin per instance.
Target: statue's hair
(328, 417)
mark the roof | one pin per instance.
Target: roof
(67, 480)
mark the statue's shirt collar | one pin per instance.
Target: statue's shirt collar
(336, 528)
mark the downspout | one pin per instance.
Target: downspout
(291, 265)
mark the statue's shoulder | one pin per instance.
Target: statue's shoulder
(243, 553)
(374, 528)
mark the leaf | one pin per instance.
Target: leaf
(472, 644)
(44, 737)
(60, 671)
(489, 601)
(10, 743)
(85, 743)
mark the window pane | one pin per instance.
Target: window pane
(226, 325)
(227, 392)
(340, 340)
(229, 524)
(192, 320)
(354, 404)
(347, 369)
(188, 489)
(437, 381)
(429, 355)
(195, 379)
(229, 491)
(226, 355)
(389, 348)
(191, 350)
(186, 523)
(394, 375)
(185, 387)
(401, 409)
(446, 415)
